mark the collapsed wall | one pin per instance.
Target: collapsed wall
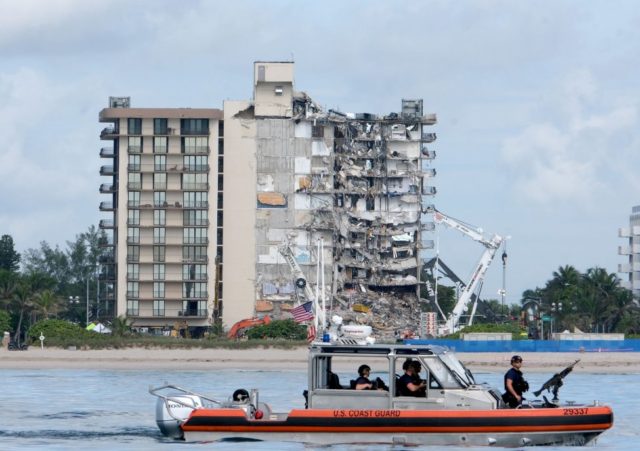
(359, 184)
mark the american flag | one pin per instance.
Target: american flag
(311, 333)
(303, 312)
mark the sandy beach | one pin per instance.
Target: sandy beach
(280, 359)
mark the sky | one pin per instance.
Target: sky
(537, 104)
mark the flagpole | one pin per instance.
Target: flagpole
(315, 301)
(323, 287)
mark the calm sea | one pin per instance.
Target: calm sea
(112, 409)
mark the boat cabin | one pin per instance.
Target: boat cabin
(449, 384)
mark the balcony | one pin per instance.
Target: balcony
(106, 188)
(198, 204)
(429, 137)
(199, 313)
(624, 267)
(429, 190)
(196, 150)
(106, 206)
(195, 186)
(429, 119)
(109, 133)
(134, 185)
(428, 154)
(107, 170)
(196, 240)
(134, 149)
(107, 258)
(105, 276)
(105, 242)
(107, 152)
(195, 223)
(133, 167)
(196, 168)
(106, 224)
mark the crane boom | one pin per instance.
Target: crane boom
(299, 277)
(491, 247)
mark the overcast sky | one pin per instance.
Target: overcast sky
(537, 103)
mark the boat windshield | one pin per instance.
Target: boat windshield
(458, 369)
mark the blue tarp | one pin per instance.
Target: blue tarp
(515, 346)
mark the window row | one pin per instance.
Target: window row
(188, 144)
(160, 126)
(189, 289)
(189, 271)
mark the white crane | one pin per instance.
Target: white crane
(491, 247)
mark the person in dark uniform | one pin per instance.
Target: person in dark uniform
(514, 383)
(410, 384)
(363, 382)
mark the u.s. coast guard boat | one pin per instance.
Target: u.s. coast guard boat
(453, 409)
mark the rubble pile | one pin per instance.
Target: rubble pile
(391, 315)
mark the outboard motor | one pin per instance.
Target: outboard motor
(173, 410)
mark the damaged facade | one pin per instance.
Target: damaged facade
(274, 176)
(357, 182)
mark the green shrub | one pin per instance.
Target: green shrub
(287, 329)
(59, 333)
(5, 322)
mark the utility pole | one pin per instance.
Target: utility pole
(503, 292)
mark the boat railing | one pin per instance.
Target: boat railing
(174, 398)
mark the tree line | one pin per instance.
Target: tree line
(40, 284)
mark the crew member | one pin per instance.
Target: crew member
(363, 382)
(410, 383)
(514, 383)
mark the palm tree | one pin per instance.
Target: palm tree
(47, 303)
(121, 326)
(22, 302)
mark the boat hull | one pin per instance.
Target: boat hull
(505, 427)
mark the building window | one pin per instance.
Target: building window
(195, 218)
(195, 181)
(278, 90)
(134, 144)
(134, 125)
(159, 217)
(158, 271)
(160, 163)
(160, 127)
(194, 253)
(192, 235)
(194, 272)
(159, 199)
(194, 290)
(133, 217)
(133, 289)
(195, 144)
(160, 180)
(135, 181)
(159, 235)
(317, 131)
(158, 307)
(134, 162)
(160, 144)
(158, 253)
(195, 162)
(158, 289)
(134, 199)
(133, 235)
(132, 307)
(195, 199)
(194, 126)
(133, 271)
(133, 253)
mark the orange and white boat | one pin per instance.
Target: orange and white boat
(453, 410)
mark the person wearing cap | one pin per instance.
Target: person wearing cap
(514, 383)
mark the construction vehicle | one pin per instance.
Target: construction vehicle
(244, 324)
(467, 294)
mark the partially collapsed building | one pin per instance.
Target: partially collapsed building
(299, 202)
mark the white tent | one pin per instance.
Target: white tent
(101, 328)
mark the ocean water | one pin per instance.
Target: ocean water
(112, 409)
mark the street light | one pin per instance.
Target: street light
(76, 300)
(556, 308)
